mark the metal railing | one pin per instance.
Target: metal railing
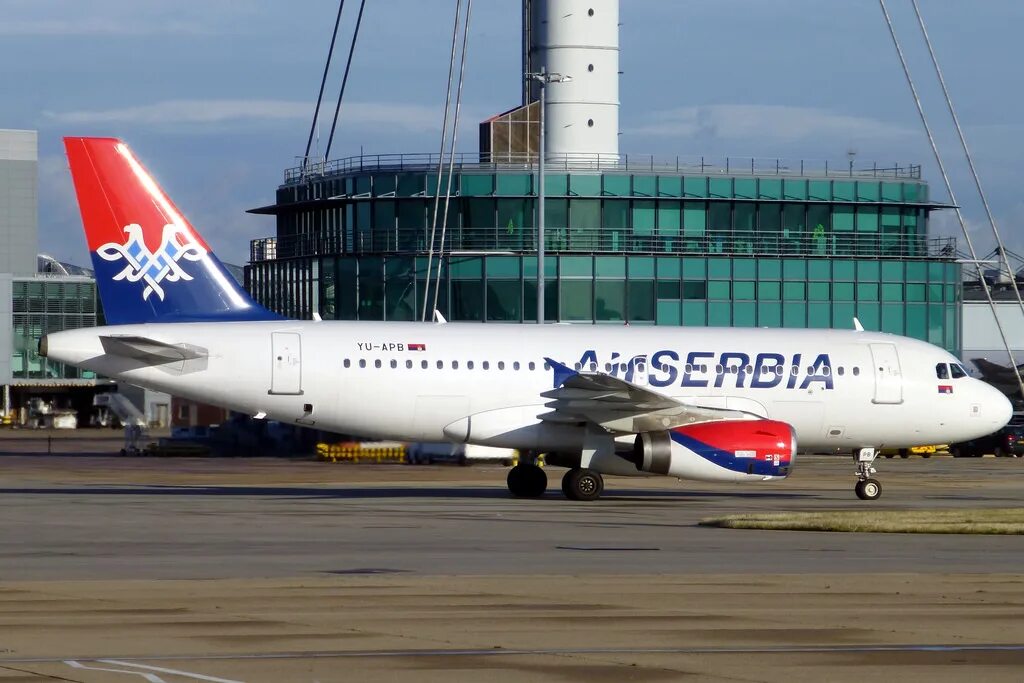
(624, 163)
(578, 240)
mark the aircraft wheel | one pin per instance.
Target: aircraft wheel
(582, 484)
(999, 452)
(869, 489)
(527, 481)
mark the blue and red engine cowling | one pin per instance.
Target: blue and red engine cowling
(725, 450)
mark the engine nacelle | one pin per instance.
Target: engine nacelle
(728, 450)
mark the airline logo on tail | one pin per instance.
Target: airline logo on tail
(149, 266)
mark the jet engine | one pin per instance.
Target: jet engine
(726, 450)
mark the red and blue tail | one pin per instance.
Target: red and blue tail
(151, 264)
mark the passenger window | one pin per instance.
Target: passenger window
(376, 363)
(394, 364)
(532, 365)
(362, 362)
(579, 367)
(501, 365)
(841, 370)
(408, 365)
(440, 365)
(469, 364)
(856, 370)
(607, 367)
(826, 371)
(346, 363)
(486, 365)
(424, 364)
(455, 365)
(795, 370)
(957, 371)
(718, 369)
(942, 371)
(546, 366)
(593, 367)
(515, 365)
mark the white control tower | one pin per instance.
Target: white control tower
(577, 38)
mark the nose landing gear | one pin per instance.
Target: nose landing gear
(867, 488)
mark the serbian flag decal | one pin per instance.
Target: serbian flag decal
(945, 389)
(423, 347)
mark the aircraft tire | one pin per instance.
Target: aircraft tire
(527, 481)
(869, 489)
(582, 484)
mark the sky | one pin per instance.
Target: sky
(216, 96)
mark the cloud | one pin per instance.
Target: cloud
(778, 122)
(407, 117)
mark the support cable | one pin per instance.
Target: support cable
(323, 83)
(949, 187)
(344, 80)
(451, 154)
(440, 161)
(970, 157)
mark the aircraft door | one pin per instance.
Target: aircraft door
(286, 363)
(888, 377)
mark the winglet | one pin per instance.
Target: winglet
(561, 372)
(857, 326)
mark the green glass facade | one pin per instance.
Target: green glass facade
(642, 248)
(41, 306)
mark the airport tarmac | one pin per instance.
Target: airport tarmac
(275, 570)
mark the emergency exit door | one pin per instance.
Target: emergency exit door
(888, 377)
(286, 363)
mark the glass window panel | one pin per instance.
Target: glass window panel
(616, 185)
(868, 270)
(934, 293)
(643, 217)
(869, 315)
(720, 314)
(718, 268)
(743, 223)
(610, 266)
(769, 269)
(917, 321)
(742, 290)
(641, 300)
(584, 224)
(892, 271)
(719, 225)
(668, 289)
(670, 186)
(410, 184)
(769, 188)
(936, 271)
(843, 191)
(695, 289)
(819, 315)
(695, 186)
(669, 313)
(616, 214)
(550, 300)
(577, 266)
(371, 288)
(641, 267)
(868, 190)
(745, 188)
(475, 185)
(892, 318)
(892, 291)
(867, 219)
(383, 184)
(504, 300)
(744, 268)
(744, 314)
(771, 291)
(695, 268)
(400, 289)
(669, 219)
(557, 213)
(769, 314)
(556, 185)
(610, 299)
(794, 314)
(843, 315)
(911, 192)
(769, 217)
(794, 189)
(819, 291)
(669, 267)
(515, 184)
(719, 290)
(695, 313)
(503, 267)
(478, 216)
(842, 291)
(820, 190)
(465, 267)
(467, 300)
(842, 218)
(362, 184)
(892, 192)
(515, 224)
(950, 294)
(577, 300)
(842, 270)
(645, 185)
(867, 291)
(585, 184)
(915, 292)
(794, 269)
(720, 187)
(917, 271)
(794, 291)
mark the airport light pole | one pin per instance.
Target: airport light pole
(543, 78)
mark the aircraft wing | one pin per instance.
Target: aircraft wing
(621, 406)
(149, 351)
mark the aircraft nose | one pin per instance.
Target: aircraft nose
(996, 407)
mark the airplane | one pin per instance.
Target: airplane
(1002, 377)
(709, 404)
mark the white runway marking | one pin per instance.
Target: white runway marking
(199, 677)
(152, 678)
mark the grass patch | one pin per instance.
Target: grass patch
(959, 521)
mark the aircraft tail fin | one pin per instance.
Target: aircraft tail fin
(151, 264)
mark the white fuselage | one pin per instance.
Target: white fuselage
(483, 383)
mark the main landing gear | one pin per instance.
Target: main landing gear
(527, 480)
(867, 488)
(582, 484)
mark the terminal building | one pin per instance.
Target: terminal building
(629, 239)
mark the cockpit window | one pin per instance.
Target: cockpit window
(957, 370)
(942, 371)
